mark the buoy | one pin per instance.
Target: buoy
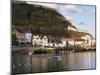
(30, 53)
(19, 64)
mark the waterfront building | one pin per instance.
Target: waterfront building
(82, 30)
(88, 40)
(36, 41)
(45, 41)
(93, 42)
(82, 41)
(25, 39)
(39, 40)
(79, 42)
(72, 27)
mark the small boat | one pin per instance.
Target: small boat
(55, 57)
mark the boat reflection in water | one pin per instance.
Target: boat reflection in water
(36, 63)
(57, 58)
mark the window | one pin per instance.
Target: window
(37, 38)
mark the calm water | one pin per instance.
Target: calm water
(23, 63)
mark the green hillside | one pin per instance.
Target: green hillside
(40, 20)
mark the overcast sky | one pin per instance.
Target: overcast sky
(82, 16)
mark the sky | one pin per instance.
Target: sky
(81, 16)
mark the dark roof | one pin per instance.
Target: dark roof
(79, 39)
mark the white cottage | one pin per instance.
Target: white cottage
(88, 40)
(37, 41)
(63, 43)
(45, 41)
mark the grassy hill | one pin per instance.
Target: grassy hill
(40, 20)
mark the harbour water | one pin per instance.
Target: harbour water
(51, 62)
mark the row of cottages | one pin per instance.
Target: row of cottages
(72, 41)
(46, 41)
(26, 38)
(84, 41)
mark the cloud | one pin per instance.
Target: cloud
(72, 8)
(69, 17)
(67, 9)
(43, 4)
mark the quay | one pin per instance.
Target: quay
(56, 50)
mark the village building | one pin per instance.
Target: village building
(25, 39)
(45, 41)
(71, 42)
(88, 40)
(52, 41)
(66, 41)
(72, 28)
(39, 40)
(82, 30)
(82, 41)
(93, 42)
(74, 41)
(36, 41)
(79, 42)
